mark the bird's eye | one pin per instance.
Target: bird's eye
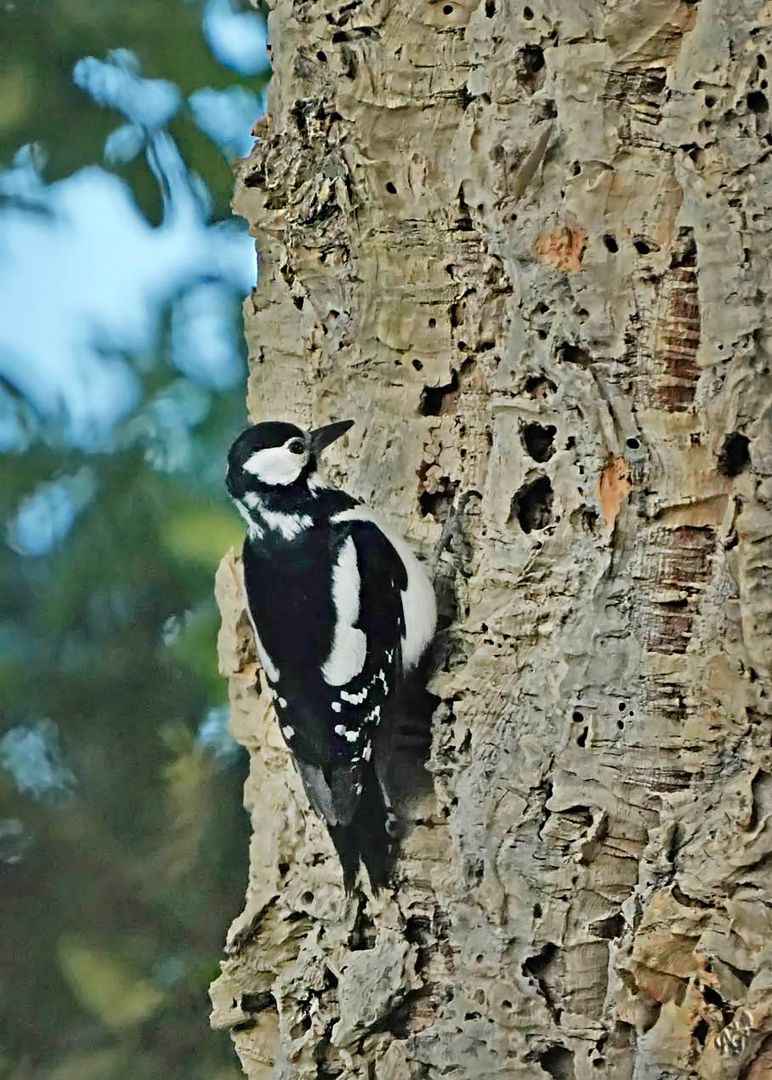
(296, 446)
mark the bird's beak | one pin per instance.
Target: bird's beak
(323, 436)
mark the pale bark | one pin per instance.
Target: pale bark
(526, 248)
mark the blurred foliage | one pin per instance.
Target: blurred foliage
(41, 41)
(123, 842)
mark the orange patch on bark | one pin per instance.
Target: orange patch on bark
(613, 488)
(562, 249)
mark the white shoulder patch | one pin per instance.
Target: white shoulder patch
(253, 529)
(418, 601)
(289, 525)
(349, 645)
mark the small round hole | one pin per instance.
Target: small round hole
(390, 187)
(577, 717)
(527, 13)
(633, 444)
(641, 247)
(322, 55)
(432, 322)
(418, 365)
(448, 9)
(611, 243)
(307, 897)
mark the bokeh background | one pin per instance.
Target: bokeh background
(122, 839)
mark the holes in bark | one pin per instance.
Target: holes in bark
(438, 504)
(432, 322)
(558, 1061)
(582, 738)
(577, 716)
(418, 365)
(700, 1031)
(418, 930)
(527, 13)
(734, 456)
(439, 400)
(611, 244)
(362, 934)
(532, 505)
(538, 440)
(529, 67)
(610, 928)
(490, 9)
(307, 897)
(633, 443)
(391, 188)
(574, 354)
(641, 247)
(537, 386)
(447, 9)
(544, 967)
(257, 1003)
(321, 56)
(757, 102)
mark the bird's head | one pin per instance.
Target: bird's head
(274, 456)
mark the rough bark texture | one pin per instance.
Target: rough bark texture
(526, 247)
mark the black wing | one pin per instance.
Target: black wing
(361, 708)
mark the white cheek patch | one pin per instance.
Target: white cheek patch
(349, 644)
(276, 465)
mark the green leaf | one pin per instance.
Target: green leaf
(105, 986)
(200, 535)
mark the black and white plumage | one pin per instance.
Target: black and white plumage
(342, 613)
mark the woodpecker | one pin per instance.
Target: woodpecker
(343, 615)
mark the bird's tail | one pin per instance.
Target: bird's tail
(367, 838)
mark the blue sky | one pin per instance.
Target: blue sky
(84, 277)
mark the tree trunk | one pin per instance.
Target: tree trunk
(526, 248)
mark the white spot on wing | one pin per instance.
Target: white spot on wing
(336, 706)
(349, 645)
(288, 731)
(349, 734)
(283, 703)
(418, 601)
(354, 699)
(366, 753)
